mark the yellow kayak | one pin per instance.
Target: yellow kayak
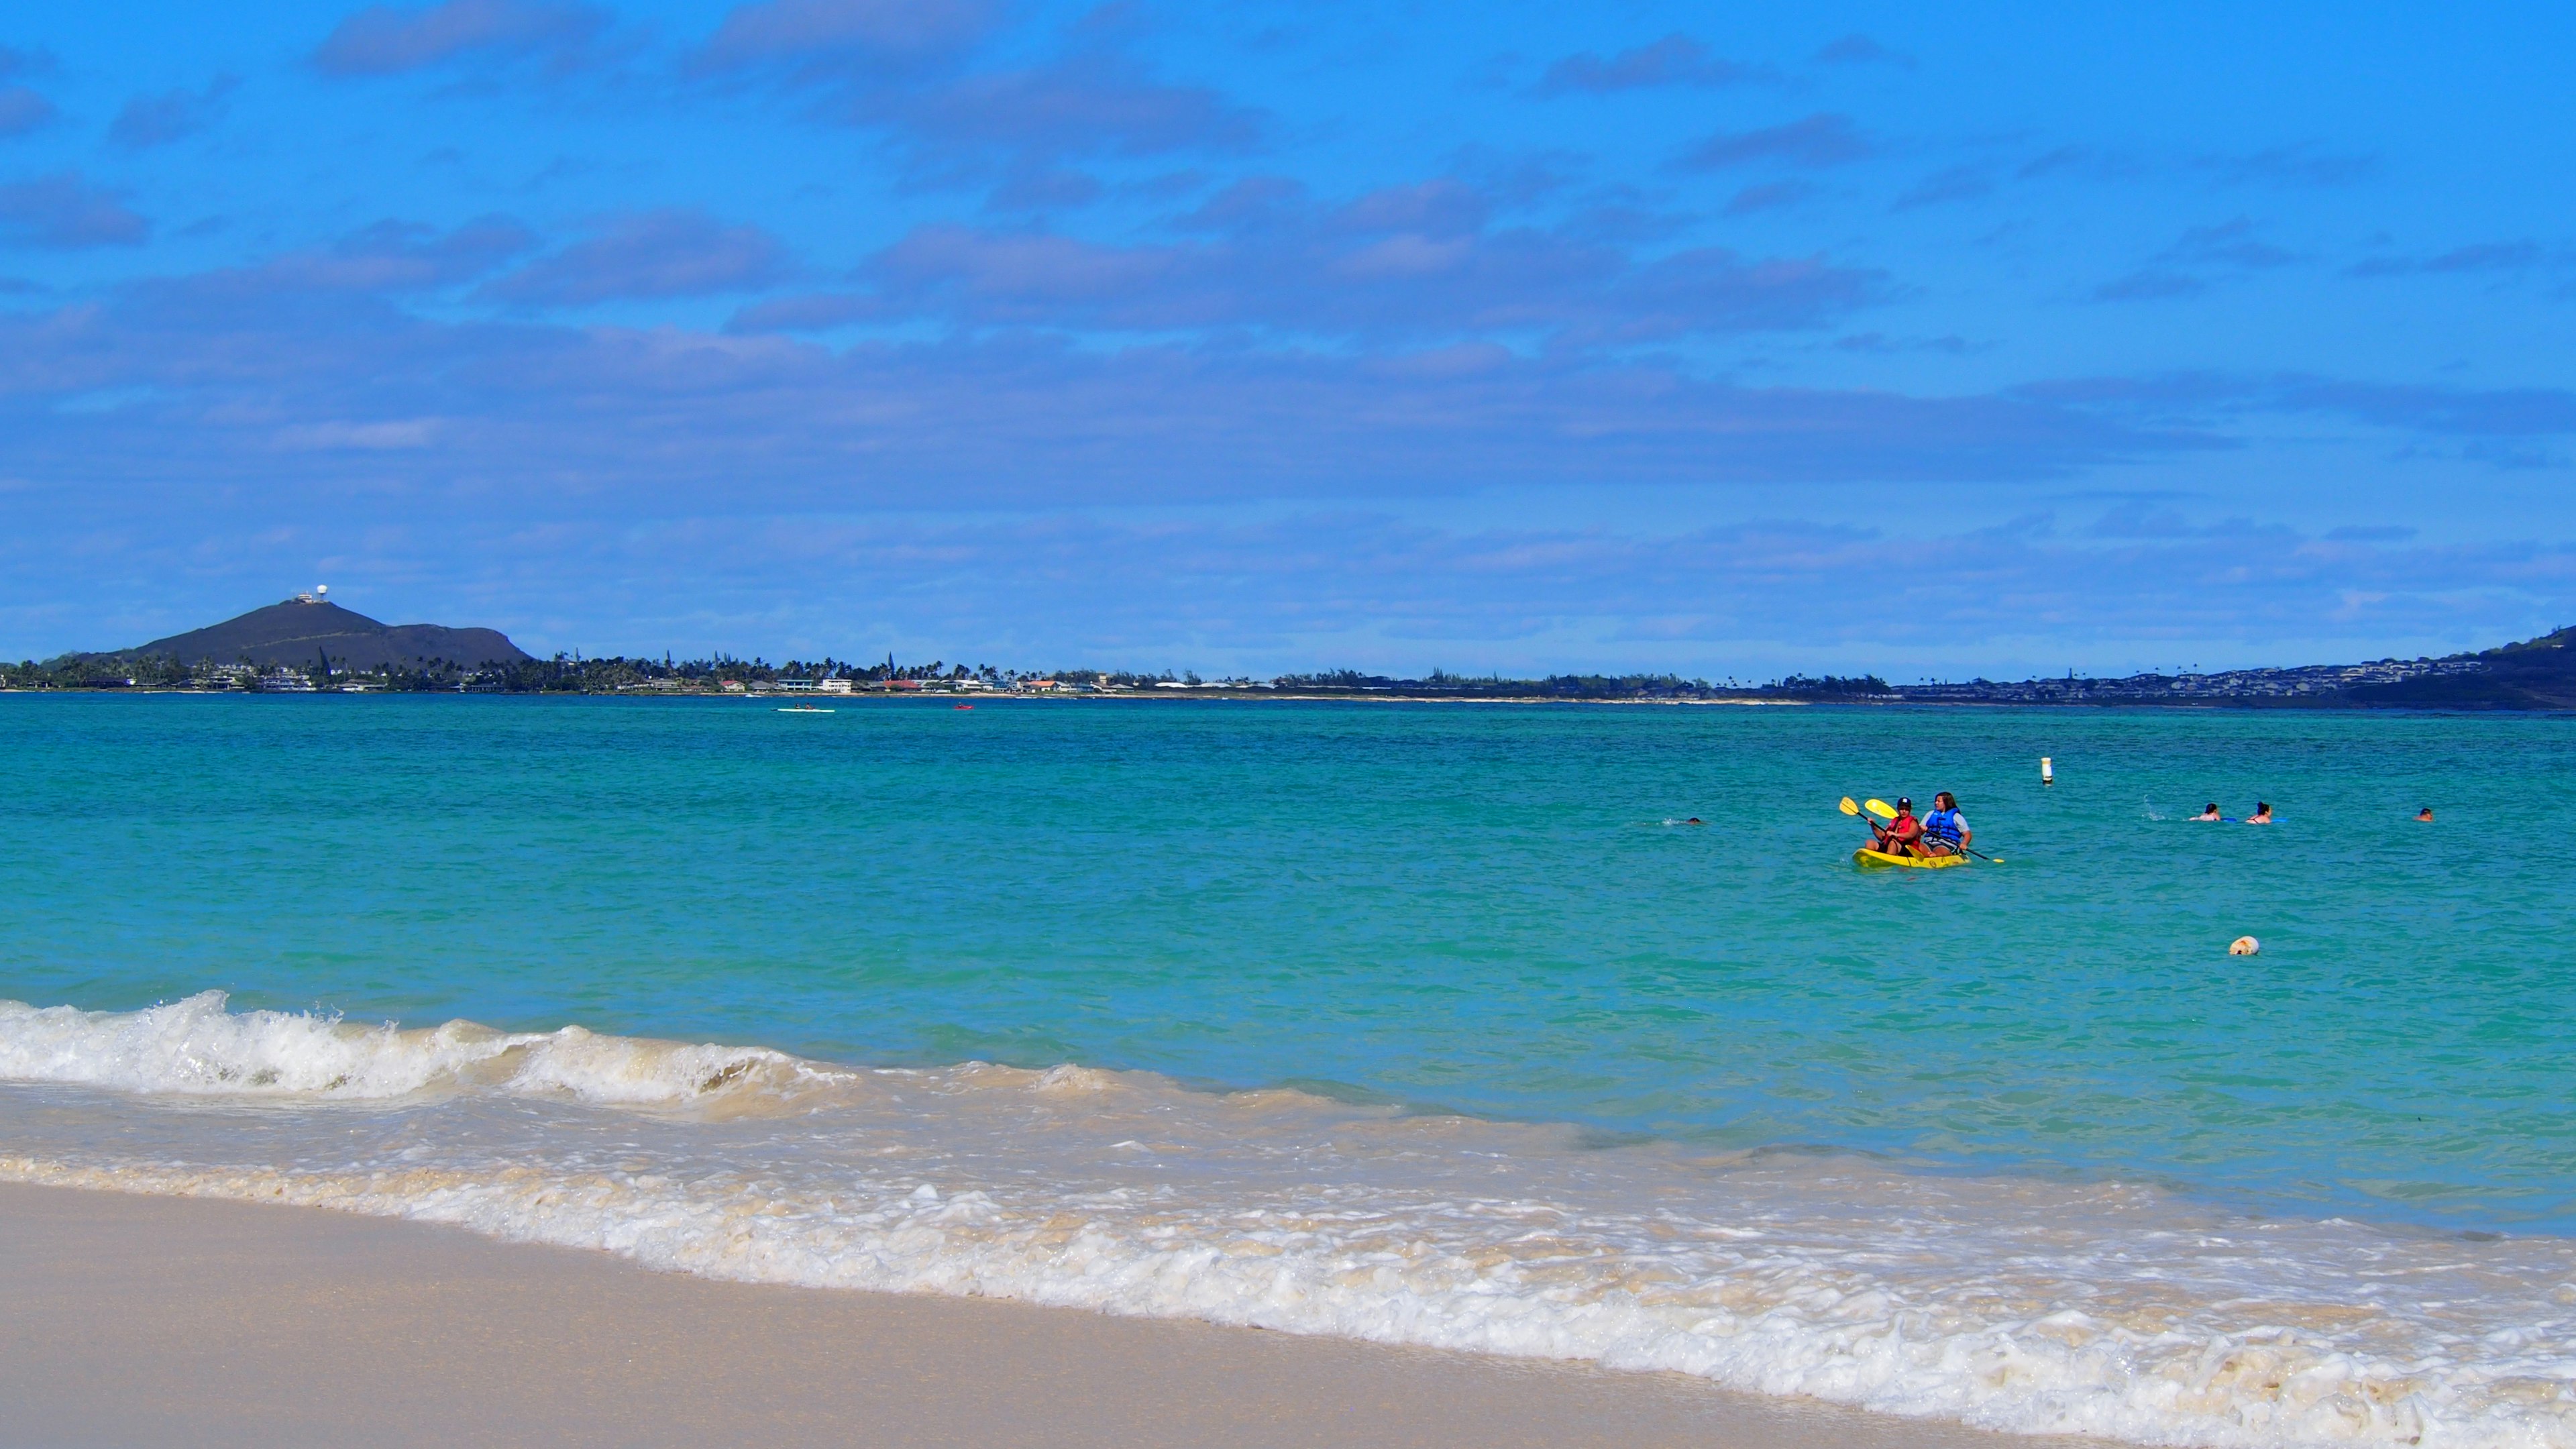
(1867, 856)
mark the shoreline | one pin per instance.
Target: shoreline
(174, 1319)
(2229, 704)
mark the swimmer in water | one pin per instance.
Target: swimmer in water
(2425, 815)
(2262, 813)
(2209, 812)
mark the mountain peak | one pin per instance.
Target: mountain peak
(301, 629)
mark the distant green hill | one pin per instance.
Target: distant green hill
(299, 630)
(2533, 674)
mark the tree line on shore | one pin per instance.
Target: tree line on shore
(574, 674)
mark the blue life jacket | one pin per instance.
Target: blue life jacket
(1943, 823)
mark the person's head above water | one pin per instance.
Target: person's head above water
(2424, 814)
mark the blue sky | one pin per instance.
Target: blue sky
(1717, 339)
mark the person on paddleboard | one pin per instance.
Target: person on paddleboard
(1945, 830)
(1902, 835)
(2209, 812)
(2262, 813)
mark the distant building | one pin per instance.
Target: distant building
(834, 686)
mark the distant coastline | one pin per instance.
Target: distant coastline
(305, 645)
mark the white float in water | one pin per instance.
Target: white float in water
(2047, 776)
(2244, 946)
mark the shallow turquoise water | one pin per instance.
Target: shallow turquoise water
(1465, 907)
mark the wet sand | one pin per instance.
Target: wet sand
(182, 1321)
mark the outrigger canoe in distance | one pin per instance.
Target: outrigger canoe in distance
(1867, 856)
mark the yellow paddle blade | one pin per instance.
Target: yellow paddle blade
(1848, 807)
(1882, 809)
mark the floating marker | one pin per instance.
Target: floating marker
(2244, 946)
(2047, 776)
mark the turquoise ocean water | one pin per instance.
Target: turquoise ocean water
(1426, 919)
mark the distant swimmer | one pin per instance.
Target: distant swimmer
(2425, 815)
(1695, 820)
(1902, 835)
(2262, 813)
(1945, 830)
(2209, 812)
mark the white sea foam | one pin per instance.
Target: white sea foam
(197, 1047)
(2011, 1303)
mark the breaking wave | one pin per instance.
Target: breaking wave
(2010, 1303)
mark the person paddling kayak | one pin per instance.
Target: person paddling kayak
(1902, 835)
(1945, 830)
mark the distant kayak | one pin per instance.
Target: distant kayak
(1867, 856)
(802, 709)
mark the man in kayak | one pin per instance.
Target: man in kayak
(1945, 830)
(1902, 835)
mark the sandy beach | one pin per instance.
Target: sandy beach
(180, 1321)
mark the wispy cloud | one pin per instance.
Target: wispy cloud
(2183, 269)
(2228, 243)
(673, 252)
(823, 40)
(1858, 49)
(390, 40)
(23, 110)
(1675, 60)
(399, 257)
(64, 212)
(2480, 257)
(911, 72)
(2302, 165)
(1417, 262)
(167, 116)
(1821, 140)
(2090, 163)
(1954, 183)
(1768, 196)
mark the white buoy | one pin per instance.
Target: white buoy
(2047, 776)
(2244, 946)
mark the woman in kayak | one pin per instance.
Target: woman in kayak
(1945, 830)
(1902, 835)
